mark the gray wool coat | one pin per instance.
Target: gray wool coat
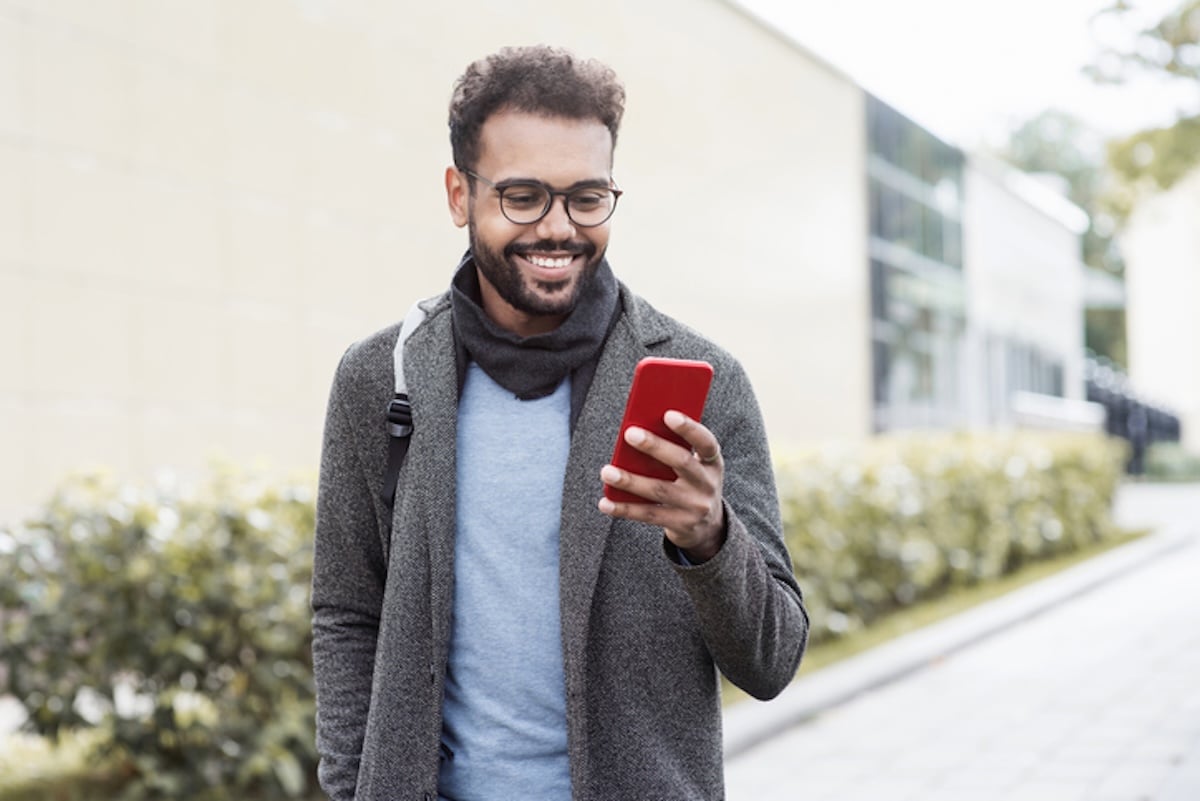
(642, 636)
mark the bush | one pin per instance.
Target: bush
(1168, 461)
(176, 626)
(37, 769)
(903, 519)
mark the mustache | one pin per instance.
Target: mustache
(550, 246)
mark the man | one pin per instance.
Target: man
(517, 636)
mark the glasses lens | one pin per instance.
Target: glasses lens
(591, 205)
(524, 203)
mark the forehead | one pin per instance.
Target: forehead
(557, 150)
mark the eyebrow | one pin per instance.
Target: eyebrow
(584, 184)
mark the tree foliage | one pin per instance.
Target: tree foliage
(1169, 47)
(1107, 179)
(1155, 159)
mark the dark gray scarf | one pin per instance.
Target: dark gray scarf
(531, 367)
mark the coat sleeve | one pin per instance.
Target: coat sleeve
(749, 606)
(347, 594)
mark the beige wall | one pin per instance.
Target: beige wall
(1161, 246)
(1024, 278)
(202, 204)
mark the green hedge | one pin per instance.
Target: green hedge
(903, 519)
(176, 625)
(36, 768)
(1169, 461)
(174, 629)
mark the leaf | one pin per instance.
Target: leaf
(289, 773)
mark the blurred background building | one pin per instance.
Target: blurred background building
(1162, 249)
(203, 204)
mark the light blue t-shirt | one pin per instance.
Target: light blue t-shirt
(504, 730)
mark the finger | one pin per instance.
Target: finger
(652, 489)
(669, 453)
(672, 496)
(654, 514)
(681, 528)
(704, 442)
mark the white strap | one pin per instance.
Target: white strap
(415, 316)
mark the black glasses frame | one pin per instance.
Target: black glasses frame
(551, 193)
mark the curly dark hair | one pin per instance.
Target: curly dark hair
(542, 80)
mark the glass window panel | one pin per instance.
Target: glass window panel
(891, 213)
(952, 243)
(911, 223)
(932, 221)
(881, 351)
(879, 290)
(876, 192)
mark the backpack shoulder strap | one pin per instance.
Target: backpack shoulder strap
(415, 316)
(399, 413)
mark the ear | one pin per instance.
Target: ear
(458, 196)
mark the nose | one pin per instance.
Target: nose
(556, 225)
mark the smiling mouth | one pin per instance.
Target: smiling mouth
(549, 262)
(550, 259)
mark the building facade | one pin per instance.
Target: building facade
(1025, 293)
(1161, 245)
(204, 204)
(976, 285)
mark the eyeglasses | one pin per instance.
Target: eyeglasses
(526, 202)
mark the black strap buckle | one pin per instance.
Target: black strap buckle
(399, 416)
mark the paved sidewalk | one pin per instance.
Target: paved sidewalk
(1083, 687)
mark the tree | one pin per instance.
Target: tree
(1107, 184)
(1168, 49)
(1171, 47)
(1155, 159)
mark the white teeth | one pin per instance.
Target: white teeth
(542, 261)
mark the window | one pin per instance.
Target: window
(914, 183)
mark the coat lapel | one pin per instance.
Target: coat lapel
(584, 528)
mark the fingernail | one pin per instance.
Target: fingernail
(634, 436)
(674, 418)
(610, 474)
(606, 506)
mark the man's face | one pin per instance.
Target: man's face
(532, 275)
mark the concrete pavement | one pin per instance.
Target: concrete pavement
(1082, 687)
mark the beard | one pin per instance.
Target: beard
(531, 296)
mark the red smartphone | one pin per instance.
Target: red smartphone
(659, 385)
